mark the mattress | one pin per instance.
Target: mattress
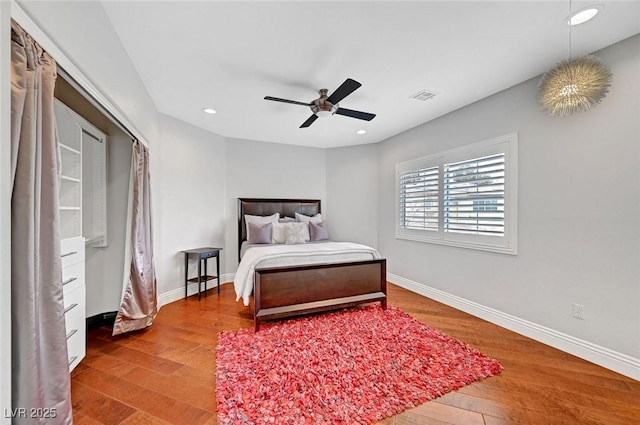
(278, 255)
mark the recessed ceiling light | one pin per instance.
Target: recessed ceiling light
(362, 131)
(584, 15)
(209, 111)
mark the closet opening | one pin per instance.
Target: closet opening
(94, 194)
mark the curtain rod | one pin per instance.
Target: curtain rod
(84, 93)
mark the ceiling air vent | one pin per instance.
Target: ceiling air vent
(423, 95)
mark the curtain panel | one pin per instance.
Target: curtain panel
(40, 369)
(139, 306)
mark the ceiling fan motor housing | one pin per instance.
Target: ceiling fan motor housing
(321, 107)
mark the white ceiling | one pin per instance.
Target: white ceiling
(229, 55)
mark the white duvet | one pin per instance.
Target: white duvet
(288, 255)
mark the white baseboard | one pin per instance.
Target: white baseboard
(178, 293)
(602, 356)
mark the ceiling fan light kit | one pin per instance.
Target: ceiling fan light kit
(321, 107)
(325, 106)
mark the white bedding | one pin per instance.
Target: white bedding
(289, 255)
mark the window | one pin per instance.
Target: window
(474, 196)
(419, 198)
(463, 197)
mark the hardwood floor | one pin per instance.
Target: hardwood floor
(166, 374)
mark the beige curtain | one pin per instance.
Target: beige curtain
(139, 303)
(40, 369)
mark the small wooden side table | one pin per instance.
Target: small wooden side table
(202, 255)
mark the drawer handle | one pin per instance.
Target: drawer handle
(71, 279)
(72, 306)
(70, 334)
(72, 359)
(69, 253)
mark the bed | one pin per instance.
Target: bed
(290, 290)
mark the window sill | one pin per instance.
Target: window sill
(460, 244)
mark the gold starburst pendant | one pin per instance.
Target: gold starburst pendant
(574, 85)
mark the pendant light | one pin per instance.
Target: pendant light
(574, 84)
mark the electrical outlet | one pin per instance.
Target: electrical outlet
(578, 311)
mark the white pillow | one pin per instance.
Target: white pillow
(296, 233)
(260, 221)
(306, 219)
(277, 232)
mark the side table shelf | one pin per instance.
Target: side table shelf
(202, 255)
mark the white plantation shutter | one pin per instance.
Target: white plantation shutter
(474, 196)
(419, 199)
(465, 197)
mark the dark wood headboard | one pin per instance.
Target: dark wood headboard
(259, 206)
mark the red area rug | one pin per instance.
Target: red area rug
(355, 366)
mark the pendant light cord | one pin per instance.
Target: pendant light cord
(569, 22)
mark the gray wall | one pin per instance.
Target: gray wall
(352, 193)
(579, 196)
(189, 194)
(104, 267)
(579, 203)
(83, 31)
(104, 289)
(269, 170)
(199, 177)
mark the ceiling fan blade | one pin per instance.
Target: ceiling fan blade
(309, 121)
(355, 114)
(277, 99)
(348, 87)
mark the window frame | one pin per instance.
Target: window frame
(506, 244)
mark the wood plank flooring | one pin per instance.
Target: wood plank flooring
(166, 374)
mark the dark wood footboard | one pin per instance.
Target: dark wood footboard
(294, 290)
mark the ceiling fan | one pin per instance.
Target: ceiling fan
(325, 106)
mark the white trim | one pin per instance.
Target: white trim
(507, 244)
(24, 20)
(5, 212)
(192, 289)
(602, 356)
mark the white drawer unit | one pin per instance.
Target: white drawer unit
(76, 336)
(71, 135)
(71, 251)
(74, 301)
(73, 277)
(74, 290)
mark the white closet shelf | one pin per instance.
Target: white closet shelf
(69, 148)
(94, 240)
(69, 208)
(70, 179)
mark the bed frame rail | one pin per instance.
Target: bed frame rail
(294, 290)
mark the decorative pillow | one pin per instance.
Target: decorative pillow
(306, 219)
(260, 220)
(296, 233)
(277, 232)
(287, 220)
(260, 234)
(318, 232)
